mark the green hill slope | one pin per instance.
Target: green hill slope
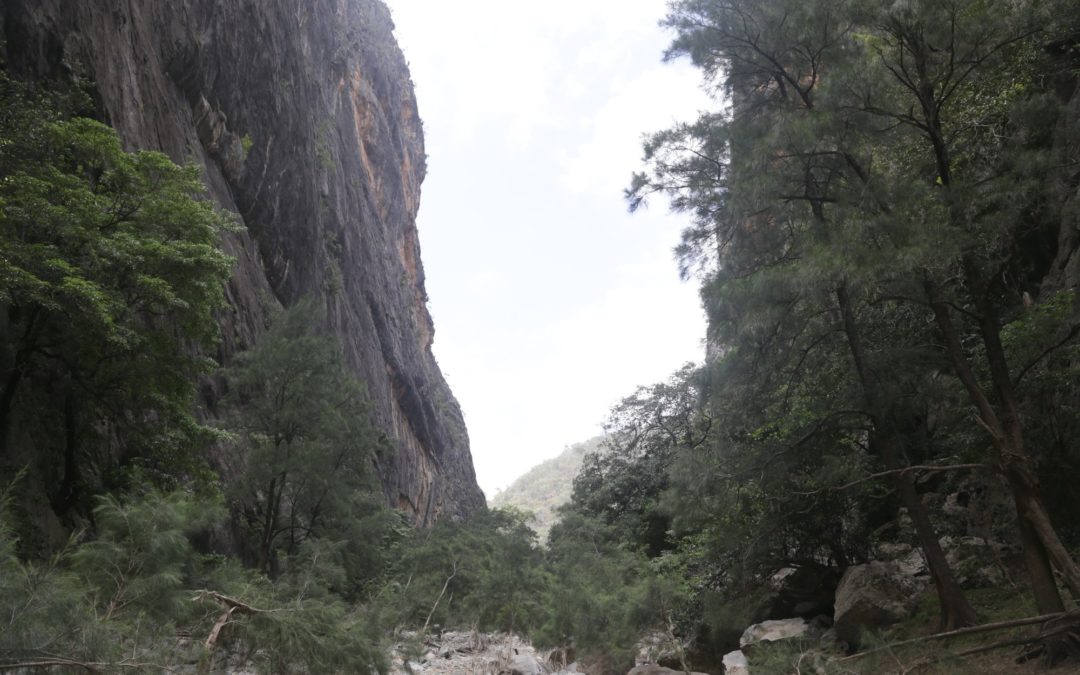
(547, 486)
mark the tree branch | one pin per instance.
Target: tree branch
(928, 468)
(1046, 352)
(972, 630)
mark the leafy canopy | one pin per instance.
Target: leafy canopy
(110, 275)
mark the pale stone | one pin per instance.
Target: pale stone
(735, 663)
(526, 664)
(769, 631)
(874, 595)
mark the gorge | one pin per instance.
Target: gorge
(226, 444)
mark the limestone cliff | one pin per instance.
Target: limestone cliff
(303, 115)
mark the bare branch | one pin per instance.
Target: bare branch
(972, 630)
(924, 468)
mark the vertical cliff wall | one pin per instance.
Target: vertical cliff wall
(303, 115)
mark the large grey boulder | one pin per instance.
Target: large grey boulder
(526, 664)
(976, 562)
(770, 631)
(872, 596)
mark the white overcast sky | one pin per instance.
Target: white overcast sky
(550, 301)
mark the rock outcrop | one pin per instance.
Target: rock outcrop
(874, 595)
(304, 120)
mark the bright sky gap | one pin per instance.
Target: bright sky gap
(550, 301)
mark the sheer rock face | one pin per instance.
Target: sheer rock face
(304, 117)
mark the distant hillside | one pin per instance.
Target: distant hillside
(547, 486)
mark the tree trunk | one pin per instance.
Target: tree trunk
(956, 611)
(24, 346)
(7, 398)
(1043, 587)
(1032, 512)
(65, 496)
(1038, 536)
(266, 541)
(1018, 465)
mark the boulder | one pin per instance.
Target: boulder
(980, 505)
(802, 591)
(874, 595)
(655, 647)
(735, 663)
(908, 558)
(770, 631)
(976, 562)
(526, 664)
(653, 669)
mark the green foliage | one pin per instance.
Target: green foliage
(485, 573)
(136, 565)
(110, 274)
(300, 623)
(42, 602)
(601, 596)
(110, 277)
(119, 600)
(623, 486)
(873, 161)
(304, 444)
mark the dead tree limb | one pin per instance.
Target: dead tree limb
(446, 584)
(231, 606)
(971, 630)
(90, 667)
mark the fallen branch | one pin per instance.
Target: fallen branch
(971, 630)
(453, 573)
(231, 606)
(52, 663)
(92, 667)
(1015, 642)
(225, 600)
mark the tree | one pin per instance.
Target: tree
(598, 601)
(878, 168)
(762, 185)
(483, 573)
(984, 170)
(623, 486)
(110, 274)
(305, 442)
